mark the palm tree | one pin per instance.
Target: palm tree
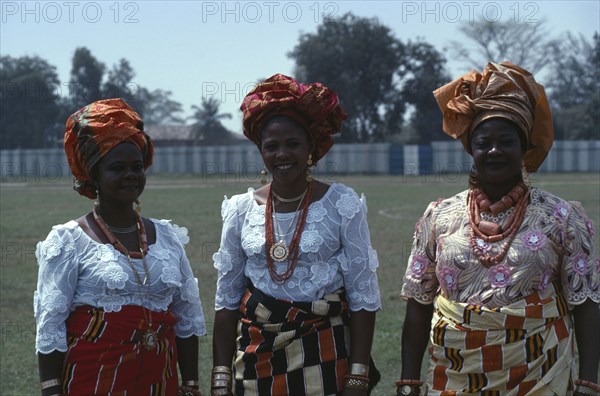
(207, 127)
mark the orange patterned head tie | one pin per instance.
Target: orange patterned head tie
(502, 90)
(314, 106)
(94, 130)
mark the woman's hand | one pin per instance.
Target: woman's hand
(362, 327)
(587, 321)
(415, 336)
(50, 367)
(187, 357)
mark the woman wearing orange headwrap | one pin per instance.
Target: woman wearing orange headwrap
(496, 271)
(297, 283)
(117, 305)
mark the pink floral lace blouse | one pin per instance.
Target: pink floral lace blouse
(554, 244)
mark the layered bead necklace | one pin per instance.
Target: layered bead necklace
(139, 226)
(489, 231)
(279, 251)
(149, 338)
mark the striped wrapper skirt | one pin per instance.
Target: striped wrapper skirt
(106, 353)
(525, 348)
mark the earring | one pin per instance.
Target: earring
(263, 176)
(138, 206)
(97, 201)
(474, 177)
(525, 176)
(309, 169)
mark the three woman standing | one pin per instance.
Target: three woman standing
(494, 274)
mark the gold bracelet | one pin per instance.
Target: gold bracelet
(50, 383)
(359, 369)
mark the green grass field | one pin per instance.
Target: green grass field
(28, 211)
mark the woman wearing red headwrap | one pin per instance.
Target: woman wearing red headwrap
(117, 305)
(297, 283)
(497, 272)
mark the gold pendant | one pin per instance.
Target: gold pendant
(279, 251)
(149, 339)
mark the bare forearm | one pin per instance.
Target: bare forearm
(362, 327)
(415, 336)
(187, 357)
(224, 336)
(51, 367)
(587, 322)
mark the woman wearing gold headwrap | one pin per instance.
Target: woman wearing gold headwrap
(117, 305)
(496, 271)
(297, 283)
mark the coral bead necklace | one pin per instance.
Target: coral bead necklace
(488, 231)
(279, 251)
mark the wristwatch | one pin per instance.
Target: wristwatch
(407, 390)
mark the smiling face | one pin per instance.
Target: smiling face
(285, 149)
(497, 153)
(120, 175)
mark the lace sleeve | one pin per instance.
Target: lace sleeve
(186, 305)
(420, 281)
(57, 282)
(230, 258)
(358, 258)
(580, 268)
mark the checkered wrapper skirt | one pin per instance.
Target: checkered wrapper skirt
(293, 348)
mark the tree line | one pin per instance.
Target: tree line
(384, 83)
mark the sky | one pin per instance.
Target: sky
(200, 49)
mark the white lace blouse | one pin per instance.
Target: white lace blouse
(335, 251)
(75, 270)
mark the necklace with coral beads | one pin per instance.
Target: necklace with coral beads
(279, 251)
(488, 231)
(149, 338)
(142, 240)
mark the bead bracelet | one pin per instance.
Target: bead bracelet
(587, 387)
(356, 382)
(408, 382)
(588, 384)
